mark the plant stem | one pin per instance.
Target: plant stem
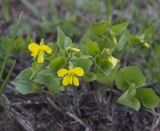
(75, 98)
(7, 78)
(67, 98)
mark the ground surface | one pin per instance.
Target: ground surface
(43, 112)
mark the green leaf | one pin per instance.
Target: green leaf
(148, 97)
(51, 81)
(23, 84)
(54, 48)
(129, 99)
(119, 27)
(90, 76)
(103, 66)
(57, 63)
(129, 75)
(105, 62)
(109, 78)
(99, 28)
(62, 40)
(36, 67)
(80, 57)
(122, 42)
(92, 47)
(83, 63)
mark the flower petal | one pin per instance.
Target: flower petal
(34, 54)
(33, 47)
(40, 57)
(78, 71)
(75, 81)
(70, 79)
(46, 49)
(65, 81)
(62, 72)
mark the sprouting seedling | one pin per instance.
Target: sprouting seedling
(38, 50)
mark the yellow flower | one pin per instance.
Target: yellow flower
(38, 50)
(70, 76)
